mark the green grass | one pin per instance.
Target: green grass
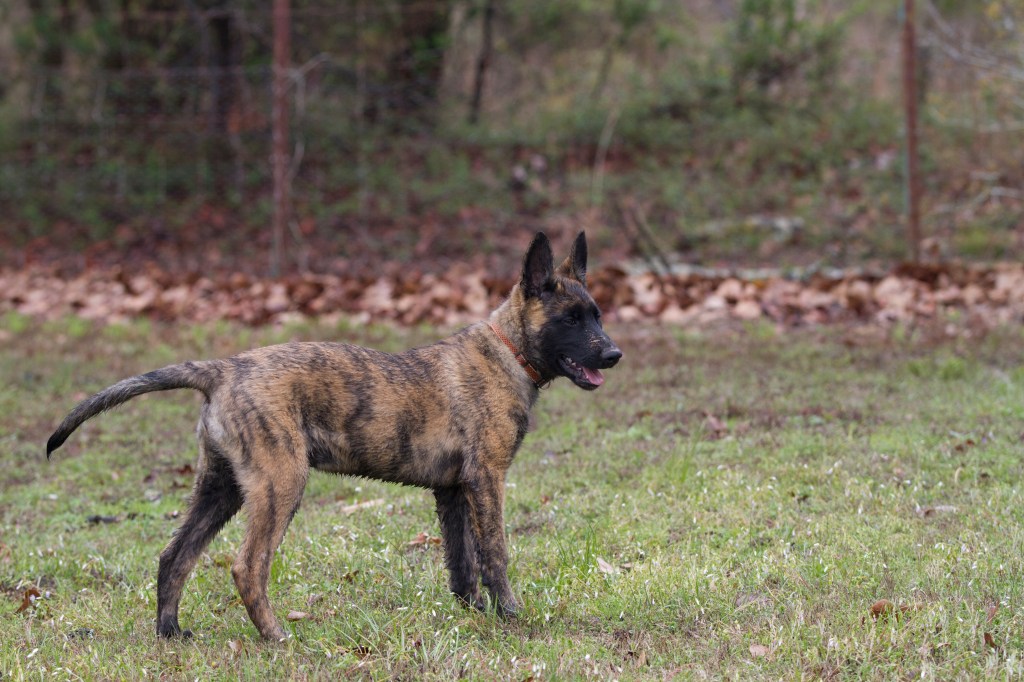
(838, 469)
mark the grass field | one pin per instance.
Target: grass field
(731, 504)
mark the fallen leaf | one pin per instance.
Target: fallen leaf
(926, 512)
(352, 508)
(990, 640)
(297, 615)
(424, 538)
(990, 293)
(747, 310)
(964, 446)
(28, 598)
(882, 607)
(350, 576)
(758, 650)
(236, 646)
(715, 427)
(990, 612)
(885, 608)
(606, 567)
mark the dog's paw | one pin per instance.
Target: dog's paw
(509, 609)
(171, 630)
(275, 634)
(471, 601)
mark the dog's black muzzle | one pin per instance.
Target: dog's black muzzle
(584, 369)
(610, 356)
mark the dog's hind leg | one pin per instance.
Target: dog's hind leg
(271, 500)
(215, 500)
(486, 496)
(460, 545)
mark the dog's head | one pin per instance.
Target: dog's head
(562, 321)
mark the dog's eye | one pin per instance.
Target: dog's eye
(571, 320)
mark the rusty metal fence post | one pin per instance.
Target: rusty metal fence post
(911, 179)
(279, 135)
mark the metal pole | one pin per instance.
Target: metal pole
(913, 184)
(279, 135)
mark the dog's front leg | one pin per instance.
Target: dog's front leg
(460, 545)
(486, 495)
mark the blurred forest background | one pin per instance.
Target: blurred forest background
(740, 132)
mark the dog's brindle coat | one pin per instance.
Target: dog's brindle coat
(449, 417)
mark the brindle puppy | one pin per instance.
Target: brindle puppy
(449, 416)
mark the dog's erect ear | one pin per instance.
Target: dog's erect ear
(575, 266)
(538, 266)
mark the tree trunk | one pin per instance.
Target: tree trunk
(483, 61)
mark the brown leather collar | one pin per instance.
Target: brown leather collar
(520, 358)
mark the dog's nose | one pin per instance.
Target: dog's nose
(610, 356)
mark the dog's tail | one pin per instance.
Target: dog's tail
(201, 376)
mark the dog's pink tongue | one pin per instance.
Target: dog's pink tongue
(594, 376)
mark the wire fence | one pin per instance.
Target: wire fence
(88, 142)
(83, 135)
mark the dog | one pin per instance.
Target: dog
(449, 416)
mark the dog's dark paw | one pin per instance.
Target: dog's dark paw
(170, 629)
(171, 632)
(471, 601)
(509, 609)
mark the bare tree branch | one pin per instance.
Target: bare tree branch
(960, 49)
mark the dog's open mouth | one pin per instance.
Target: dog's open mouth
(584, 377)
